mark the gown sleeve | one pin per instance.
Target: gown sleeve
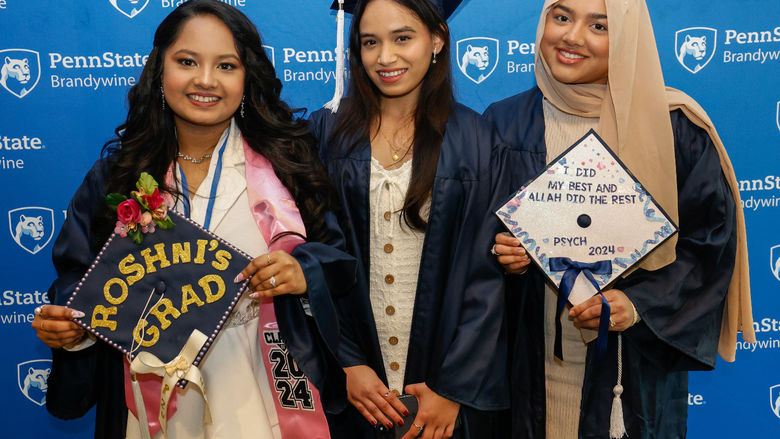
(473, 370)
(681, 304)
(321, 123)
(80, 379)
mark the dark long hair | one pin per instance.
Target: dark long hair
(434, 106)
(146, 141)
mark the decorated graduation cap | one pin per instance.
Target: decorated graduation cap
(151, 296)
(445, 7)
(585, 221)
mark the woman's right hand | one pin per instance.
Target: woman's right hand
(510, 255)
(54, 327)
(372, 398)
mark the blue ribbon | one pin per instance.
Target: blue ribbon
(572, 270)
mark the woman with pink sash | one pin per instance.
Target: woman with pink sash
(206, 121)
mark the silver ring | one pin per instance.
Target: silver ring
(272, 281)
(386, 394)
(611, 323)
(419, 427)
(493, 250)
(38, 310)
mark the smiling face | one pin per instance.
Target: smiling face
(203, 76)
(396, 48)
(575, 43)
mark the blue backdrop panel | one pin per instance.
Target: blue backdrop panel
(67, 66)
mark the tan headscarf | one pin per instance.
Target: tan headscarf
(633, 110)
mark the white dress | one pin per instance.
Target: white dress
(395, 264)
(237, 386)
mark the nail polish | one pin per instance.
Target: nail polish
(77, 314)
(239, 278)
(254, 295)
(400, 422)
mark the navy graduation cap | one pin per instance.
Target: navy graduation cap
(150, 297)
(445, 7)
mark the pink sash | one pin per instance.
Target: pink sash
(297, 401)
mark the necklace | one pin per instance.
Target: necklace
(397, 150)
(193, 159)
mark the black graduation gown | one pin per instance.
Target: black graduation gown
(680, 305)
(457, 340)
(95, 376)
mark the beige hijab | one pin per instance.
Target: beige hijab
(633, 108)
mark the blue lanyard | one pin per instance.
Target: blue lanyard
(214, 184)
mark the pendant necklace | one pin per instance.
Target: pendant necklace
(395, 150)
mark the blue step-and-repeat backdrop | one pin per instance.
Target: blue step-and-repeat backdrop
(67, 66)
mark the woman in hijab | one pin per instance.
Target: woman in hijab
(597, 67)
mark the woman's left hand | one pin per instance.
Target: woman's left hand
(587, 313)
(435, 414)
(274, 274)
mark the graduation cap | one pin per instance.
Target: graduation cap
(585, 220)
(151, 297)
(445, 7)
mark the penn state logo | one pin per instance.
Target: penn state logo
(774, 399)
(774, 261)
(20, 71)
(477, 57)
(31, 227)
(777, 118)
(32, 377)
(695, 47)
(130, 8)
(269, 51)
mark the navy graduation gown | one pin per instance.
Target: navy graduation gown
(95, 376)
(457, 340)
(681, 304)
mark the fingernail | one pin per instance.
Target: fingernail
(401, 422)
(77, 314)
(240, 277)
(389, 425)
(406, 412)
(517, 242)
(254, 295)
(374, 422)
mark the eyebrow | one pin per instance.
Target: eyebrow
(591, 15)
(191, 53)
(396, 31)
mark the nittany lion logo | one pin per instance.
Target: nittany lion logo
(774, 261)
(777, 118)
(31, 227)
(774, 399)
(695, 47)
(269, 52)
(477, 57)
(130, 8)
(32, 378)
(20, 71)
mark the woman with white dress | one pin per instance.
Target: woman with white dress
(206, 121)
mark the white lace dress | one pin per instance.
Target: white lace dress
(395, 264)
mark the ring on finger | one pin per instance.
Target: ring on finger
(386, 394)
(611, 323)
(268, 255)
(493, 250)
(272, 281)
(419, 427)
